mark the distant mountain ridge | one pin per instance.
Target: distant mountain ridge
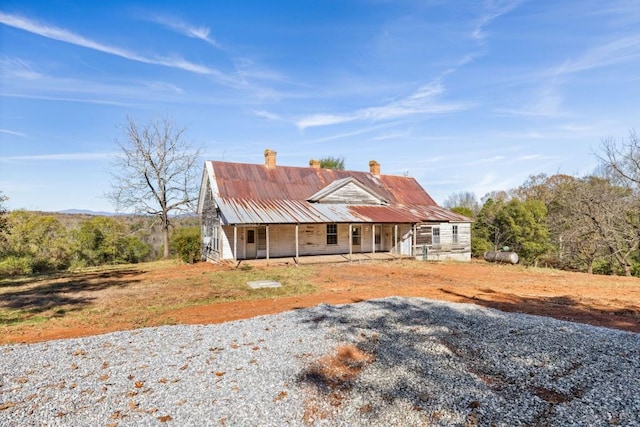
(90, 212)
(104, 213)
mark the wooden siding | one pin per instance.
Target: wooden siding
(351, 194)
(446, 249)
(210, 230)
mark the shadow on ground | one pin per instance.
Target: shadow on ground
(558, 307)
(454, 364)
(60, 296)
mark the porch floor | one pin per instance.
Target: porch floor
(325, 259)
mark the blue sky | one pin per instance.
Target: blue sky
(462, 95)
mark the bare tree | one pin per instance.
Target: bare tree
(573, 223)
(542, 187)
(612, 215)
(156, 172)
(463, 199)
(621, 161)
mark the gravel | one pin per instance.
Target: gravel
(423, 363)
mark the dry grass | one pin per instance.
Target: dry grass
(135, 295)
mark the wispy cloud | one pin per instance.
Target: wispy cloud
(66, 99)
(348, 134)
(163, 87)
(547, 102)
(200, 33)
(395, 135)
(422, 101)
(324, 120)
(612, 53)
(61, 157)
(267, 115)
(17, 68)
(488, 160)
(20, 80)
(528, 157)
(66, 36)
(14, 133)
(494, 9)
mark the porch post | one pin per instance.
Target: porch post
(267, 244)
(373, 238)
(395, 238)
(297, 248)
(413, 240)
(235, 242)
(350, 242)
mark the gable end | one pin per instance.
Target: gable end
(347, 191)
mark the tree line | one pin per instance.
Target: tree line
(589, 223)
(35, 242)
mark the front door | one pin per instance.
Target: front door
(356, 238)
(250, 246)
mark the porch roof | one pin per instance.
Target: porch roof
(275, 211)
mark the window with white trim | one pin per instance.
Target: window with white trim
(436, 235)
(332, 234)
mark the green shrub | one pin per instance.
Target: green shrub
(603, 266)
(104, 240)
(479, 246)
(187, 244)
(16, 266)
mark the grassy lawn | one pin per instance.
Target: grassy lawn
(136, 293)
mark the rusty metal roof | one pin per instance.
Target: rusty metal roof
(254, 194)
(249, 211)
(255, 181)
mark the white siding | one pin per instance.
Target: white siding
(351, 194)
(447, 249)
(313, 240)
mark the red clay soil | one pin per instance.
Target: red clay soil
(612, 302)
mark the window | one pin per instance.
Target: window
(436, 235)
(262, 238)
(332, 234)
(215, 240)
(251, 236)
(356, 236)
(378, 238)
(454, 230)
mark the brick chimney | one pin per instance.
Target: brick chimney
(315, 164)
(374, 168)
(270, 158)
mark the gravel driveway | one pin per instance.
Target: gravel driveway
(393, 361)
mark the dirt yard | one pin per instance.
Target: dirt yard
(174, 294)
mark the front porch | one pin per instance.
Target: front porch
(323, 259)
(274, 241)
